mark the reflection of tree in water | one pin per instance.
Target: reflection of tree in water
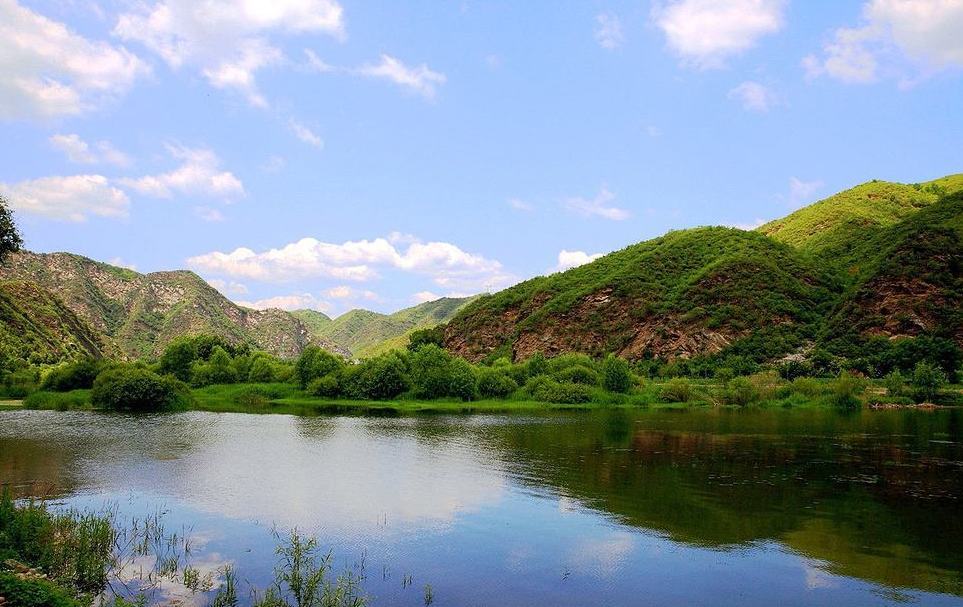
(31, 468)
(874, 495)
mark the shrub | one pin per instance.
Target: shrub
(564, 361)
(927, 381)
(423, 337)
(78, 375)
(436, 374)
(536, 365)
(844, 391)
(578, 374)
(314, 363)
(462, 382)
(328, 386)
(381, 378)
(676, 390)
(253, 396)
(495, 383)
(616, 375)
(131, 388)
(217, 370)
(60, 401)
(793, 369)
(741, 391)
(34, 592)
(767, 384)
(808, 387)
(895, 383)
(548, 390)
(262, 371)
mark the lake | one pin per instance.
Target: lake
(699, 507)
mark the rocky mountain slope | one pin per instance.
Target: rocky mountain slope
(365, 333)
(139, 314)
(880, 260)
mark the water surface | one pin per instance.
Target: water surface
(605, 508)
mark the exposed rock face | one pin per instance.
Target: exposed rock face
(141, 313)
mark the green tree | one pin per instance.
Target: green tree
(132, 388)
(314, 363)
(10, 240)
(616, 375)
(928, 379)
(421, 337)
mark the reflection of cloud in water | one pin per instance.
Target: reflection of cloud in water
(344, 476)
(602, 556)
(817, 578)
(170, 590)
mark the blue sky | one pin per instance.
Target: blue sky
(338, 154)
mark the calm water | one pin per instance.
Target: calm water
(609, 508)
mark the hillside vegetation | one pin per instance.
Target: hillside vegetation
(139, 314)
(878, 262)
(365, 333)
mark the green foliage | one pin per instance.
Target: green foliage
(315, 363)
(577, 374)
(616, 375)
(58, 401)
(135, 389)
(262, 370)
(380, 378)
(436, 374)
(677, 390)
(495, 383)
(845, 390)
(741, 392)
(218, 369)
(73, 376)
(422, 337)
(328, 386)
(895, 383)
(927, 381)
(10, 240)
(545, 389)
(35, 592)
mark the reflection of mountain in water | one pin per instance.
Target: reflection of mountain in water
(874, 495)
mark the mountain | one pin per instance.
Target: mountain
(36, 325)
(367, 333)
(881, 259)
(139, 314)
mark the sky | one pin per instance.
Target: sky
(332, 154)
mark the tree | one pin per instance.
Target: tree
(927, 381)
(10, 241)
(314, 363)
(616, 376)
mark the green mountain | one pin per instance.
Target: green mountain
(36, 326)
(139, 314)
(881, 259)
(365, 333)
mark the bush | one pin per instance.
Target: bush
(578, 374)
(564, 361)
(927, 381)
(314, 363)
(548, 390)
(131, 388)
(495, 383)
(381, 378)
(740, 391)
(845, 390)
(536, 365)
(262, 371)
(217, 370)
(59, 401)
(436, 374)
(676, 390)
(35, 592)
(808, 387)
(895, 383)
(78, 375)
(423, 337)
(328, 386)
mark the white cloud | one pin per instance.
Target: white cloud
(608, 31)
(754, 97)
(305, 134)
(346, 292)
(228, 287)
(424, 297)
(421, 79)
(120, 263)
(597, 207)
(902, 39)
(520, 205)
(79, 151)
(801, 192)
(748, 227)
(209, 214)
(704, 33)
(72, 198)
(572, 259)
(446, 264)
(227, 40)
(46, 70)
(198, 174)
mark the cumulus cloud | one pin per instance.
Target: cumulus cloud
(46, 70)
(350, 293)
(600, 206)
(229, 41)
(228, 287)
(705, 33)
(446, 264)
(608, 31)
(424, 297)
(572, 259)
(420, 79)
(72, 198)
(901, 39)
(754, 97)
(79, 151)
(295, 301)
(198, 174)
